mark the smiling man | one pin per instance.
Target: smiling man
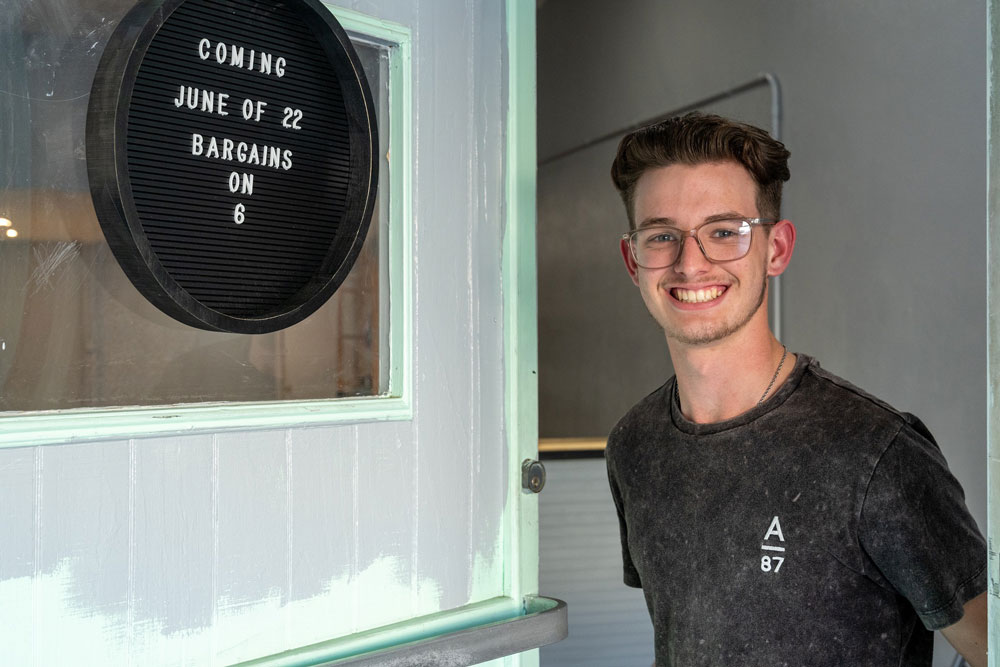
(772, 513)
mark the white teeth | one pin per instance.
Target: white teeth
(697, 296)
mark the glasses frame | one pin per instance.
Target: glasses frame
(693, 232)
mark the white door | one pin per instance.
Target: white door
(296, 526)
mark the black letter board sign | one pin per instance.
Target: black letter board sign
(231, 150)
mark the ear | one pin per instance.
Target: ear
(781, 243)
(630, 265)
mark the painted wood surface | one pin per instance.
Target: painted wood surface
(222, 547)
(993, 324)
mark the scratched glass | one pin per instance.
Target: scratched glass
(74, 332)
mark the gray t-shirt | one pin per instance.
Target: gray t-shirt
(822, 527)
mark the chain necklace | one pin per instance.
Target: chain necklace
(774, 377)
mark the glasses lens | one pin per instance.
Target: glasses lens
(725, 240)
(722, 240)
(656, 247)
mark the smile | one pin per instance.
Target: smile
(697, 296)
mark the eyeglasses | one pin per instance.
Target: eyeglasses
(659, 246)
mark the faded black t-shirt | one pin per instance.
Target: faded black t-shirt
(819, 528)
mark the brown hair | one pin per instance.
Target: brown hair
(697, 138)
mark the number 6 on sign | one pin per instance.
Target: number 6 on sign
(766, 563)
(239, 214)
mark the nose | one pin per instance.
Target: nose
(691, 260)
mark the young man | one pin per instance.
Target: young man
(772, 513)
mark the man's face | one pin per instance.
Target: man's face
(695, 301)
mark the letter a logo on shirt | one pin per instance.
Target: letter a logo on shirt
(775, 529)
(772, 563)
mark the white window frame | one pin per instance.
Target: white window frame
(89, 424)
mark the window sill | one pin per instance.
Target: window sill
(22, 429)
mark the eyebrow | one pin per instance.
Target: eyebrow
(670, 222)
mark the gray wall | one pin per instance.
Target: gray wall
(885, 116)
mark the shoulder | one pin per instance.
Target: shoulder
(841, 390)
(831, 418)
(832, 394)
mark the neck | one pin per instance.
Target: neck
(721, 380)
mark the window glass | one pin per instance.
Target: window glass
(74, 332)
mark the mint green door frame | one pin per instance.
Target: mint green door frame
(521, 296)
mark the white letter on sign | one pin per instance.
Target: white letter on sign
(234, 183)
(197, 142)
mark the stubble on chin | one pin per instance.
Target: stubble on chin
(711, 334)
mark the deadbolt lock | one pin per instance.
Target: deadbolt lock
(532, 475)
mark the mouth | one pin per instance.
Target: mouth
(703, 295)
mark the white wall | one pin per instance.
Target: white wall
(994, 331)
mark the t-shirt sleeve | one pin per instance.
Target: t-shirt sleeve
(631, 575)
(916, 529)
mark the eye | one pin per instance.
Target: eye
(725, 230)
(660, 237)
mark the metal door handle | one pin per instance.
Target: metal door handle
(532, 475)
